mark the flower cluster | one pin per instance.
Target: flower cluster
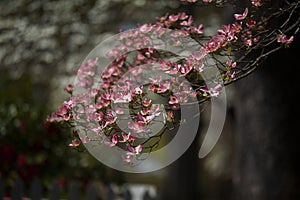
(284, 39)
(144, 84)
(64, 112)
(256, 3)
(242, 30)
(100, 107)
(180, 21)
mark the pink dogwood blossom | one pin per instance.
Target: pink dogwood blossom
(284, 39)
(241, 16)
(256, 3)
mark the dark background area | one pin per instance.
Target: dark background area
(43, 42)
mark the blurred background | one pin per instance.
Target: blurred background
(43, 42)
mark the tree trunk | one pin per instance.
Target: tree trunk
(182, 181)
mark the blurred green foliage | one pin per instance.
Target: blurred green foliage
(31, 147)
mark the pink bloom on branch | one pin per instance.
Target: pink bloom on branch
(284, 39)
(107, 95)
(173, 18)
(97, 116)
(127, 158)
(86, 72)
(248, 42)
(188, 22)
(164, 65)
(138, 90)
(155, 81)
(146, 102)
(69, 88)
(111, 71)
(85, 139)
(196, 60)
(119, 111)
(127, 137)
(155, 111)
(145, 111)
(75, 143)
(145, 28)
(241, 16)
(236, 27)
(256, 3)
(62, 110)
(256, 39)
(163, 18)
(69, 104)
(229, 32)
(163, 87)
(131, 153)
(215, 43)
(183, 16)
(229, 74)
(138, 126)
(136, 71)
(114, 140)
(123, 97)
(251, 23)
(181, 69)
(197, 30)
(143, 120)
(173, 100)
(153, 88)
(134, 150)
(231, 64)
(105, 84)
(110, 116)
(213, 92)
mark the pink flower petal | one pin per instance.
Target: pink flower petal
(75, 143)
(241, 16)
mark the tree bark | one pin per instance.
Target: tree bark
(182, 181)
